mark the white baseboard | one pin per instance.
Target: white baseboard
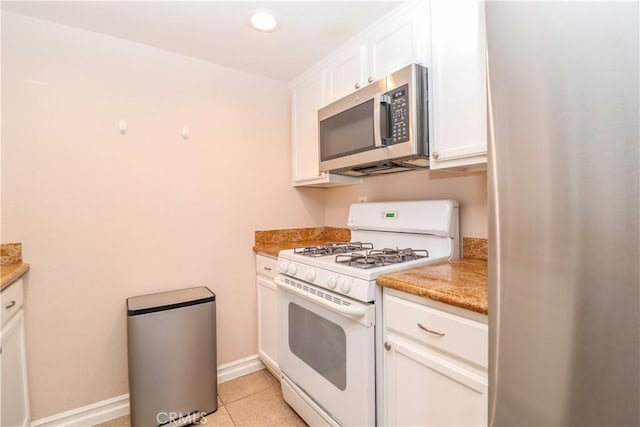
(89, 415)
(238, 368)
(118, 406)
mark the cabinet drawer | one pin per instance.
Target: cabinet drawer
(267, 266)
(461, 337)
(11, 299)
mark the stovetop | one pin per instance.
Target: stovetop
(351, 273)
(362, 254)
(366, 263)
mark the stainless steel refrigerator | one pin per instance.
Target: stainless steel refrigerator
(564, 266)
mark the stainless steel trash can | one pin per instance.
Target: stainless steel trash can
(171, 338)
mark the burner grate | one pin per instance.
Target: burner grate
(381, 257)
(332, 248)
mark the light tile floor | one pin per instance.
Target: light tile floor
(251, 400)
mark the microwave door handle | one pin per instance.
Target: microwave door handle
(382, 110)
(377, 139)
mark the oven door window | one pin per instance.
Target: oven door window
(320, 343)
(348, 132)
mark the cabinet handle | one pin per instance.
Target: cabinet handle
(370, 79)
(387, 346)
(357, 85)
(267, 268)
(11, 304)
(435, 155)
(421, 326)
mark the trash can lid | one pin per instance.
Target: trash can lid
(170, 300)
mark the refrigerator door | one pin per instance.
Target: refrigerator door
(563, 174)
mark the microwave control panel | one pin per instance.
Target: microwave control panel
(399, 100)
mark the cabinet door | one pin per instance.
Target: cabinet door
(306, 100)
(425, 388)
(307, 97)
(459, 92)
(346, 72)
(14, 395)
(402, 40)
(268, 323)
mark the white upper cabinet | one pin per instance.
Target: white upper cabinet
(403, 39)
(397, 40)
(458, 94)
(346, 72)
(306, 98)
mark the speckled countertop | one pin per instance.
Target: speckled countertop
(271, 242)
(461, 283)
(11, 265)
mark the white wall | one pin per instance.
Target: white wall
(103, 216)
(468, 189)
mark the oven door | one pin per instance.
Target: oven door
(326, 348)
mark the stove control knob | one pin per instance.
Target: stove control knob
(331, 282)
(283, 266)
(310, 275)
(293, 269)
(345, 286)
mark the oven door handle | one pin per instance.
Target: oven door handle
(345, 310)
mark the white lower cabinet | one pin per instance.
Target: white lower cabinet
(267, 295)
(435, 364)
(14, 396)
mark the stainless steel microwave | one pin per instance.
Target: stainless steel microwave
(381, 128)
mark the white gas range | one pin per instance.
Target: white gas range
(329, 347)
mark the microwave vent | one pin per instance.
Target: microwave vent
(420, 162)
(384, 167)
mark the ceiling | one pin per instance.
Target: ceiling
(218, 31)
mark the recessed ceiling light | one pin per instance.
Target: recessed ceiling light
(264, 21)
